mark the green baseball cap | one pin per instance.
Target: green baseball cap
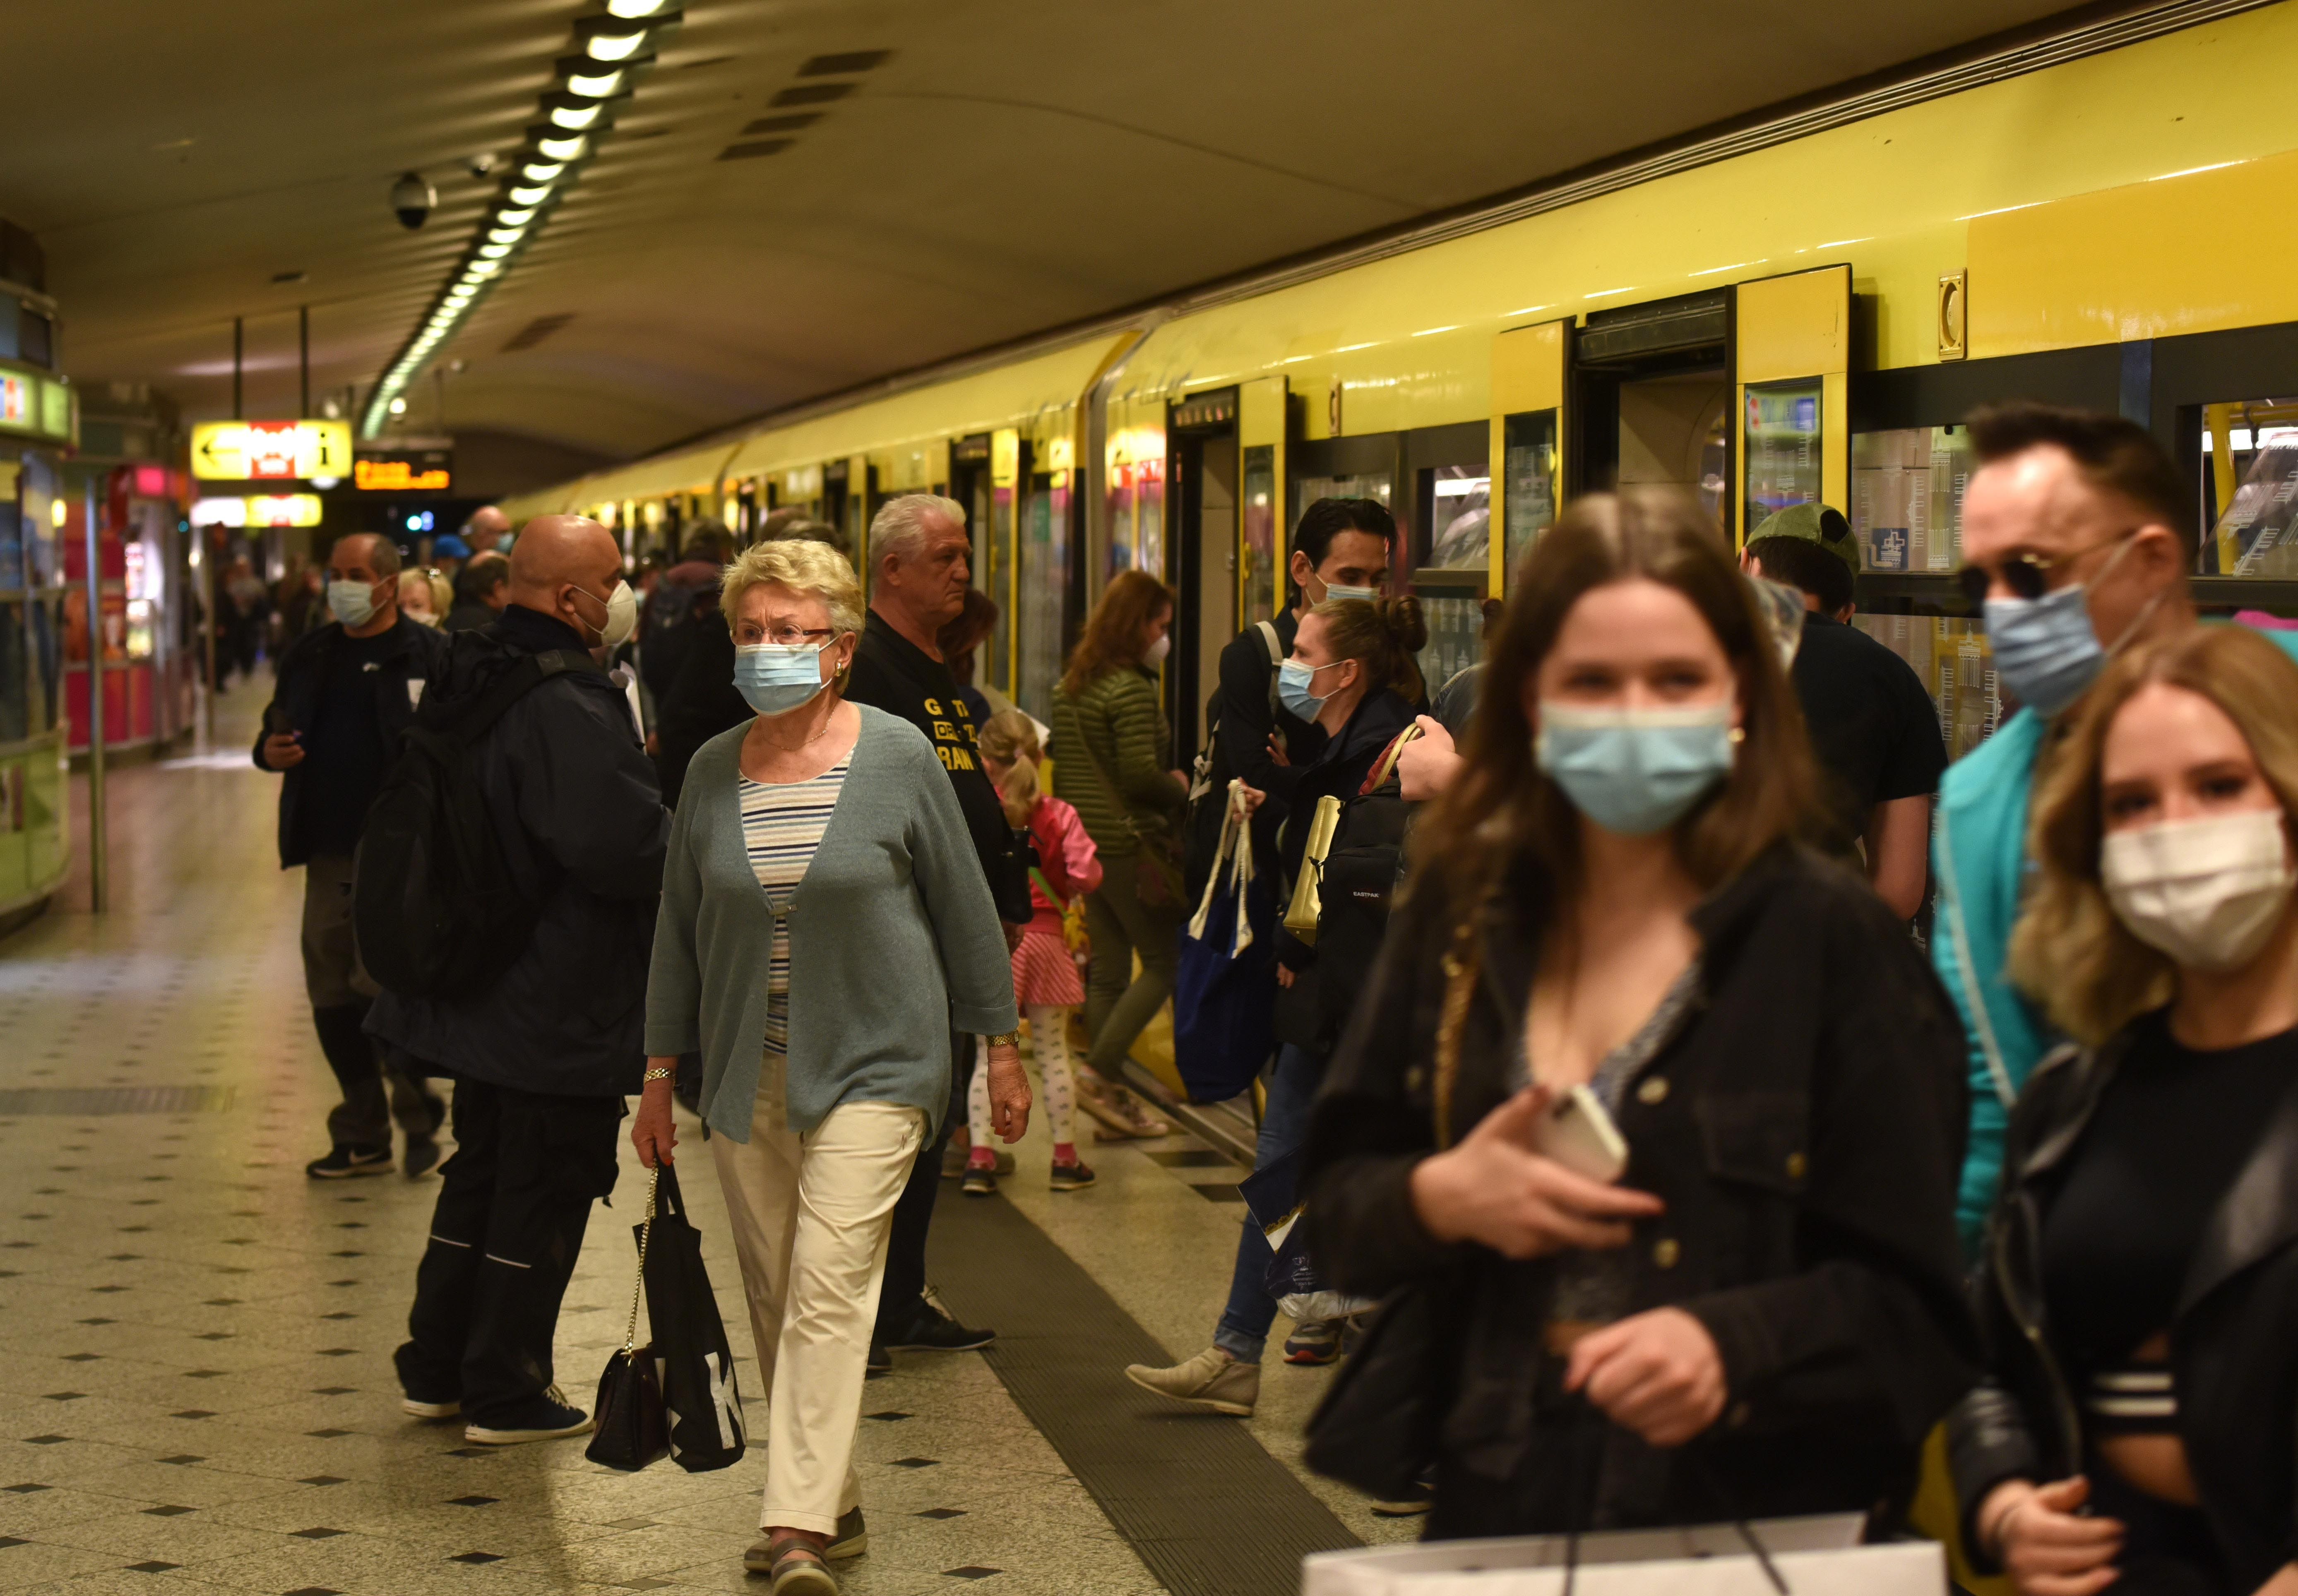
(1817, 523)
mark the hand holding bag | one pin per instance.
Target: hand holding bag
(699, 1396)
(1222, 1031)
(632, 1430)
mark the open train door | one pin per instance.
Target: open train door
(1261, 520)
(1531, 382)
(1792, 355)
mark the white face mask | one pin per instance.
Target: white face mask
(351, 602)
(2206, 892)
(1158, 650)
(621, 616)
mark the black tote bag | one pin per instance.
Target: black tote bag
(705, 1407)
(631, 1430)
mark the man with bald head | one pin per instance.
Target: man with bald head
(544, 1056)
(346, 692)
(484, 529)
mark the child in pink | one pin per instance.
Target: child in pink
(1045, 983)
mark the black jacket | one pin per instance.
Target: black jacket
(1240, 742)
(2234, 1339)
(701, 702)
(1803, 1125)
(416, 653)
(1338, 770)
(892, 673)
(581, 822)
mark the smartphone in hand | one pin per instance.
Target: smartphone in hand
(1577, 1132)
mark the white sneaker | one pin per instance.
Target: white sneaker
(1212, 1380)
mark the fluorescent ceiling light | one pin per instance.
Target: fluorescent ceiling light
(574, 116)
(594, 86)
(505, 234)
(483, 269)
(493, 252)
(614, 46)
(634, 8)
(541, 171)
(514, 218)
(562, 149)
(530, 196)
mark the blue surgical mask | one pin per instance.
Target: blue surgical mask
(776, 678)
(1293, 680)
(1333, 590)
(1635, 770)
(2044, 649)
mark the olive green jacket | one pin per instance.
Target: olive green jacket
(1116, 723)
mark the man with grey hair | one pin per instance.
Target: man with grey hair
(918, 563)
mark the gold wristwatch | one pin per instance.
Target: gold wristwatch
(1009, 1039)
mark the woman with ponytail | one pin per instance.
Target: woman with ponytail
(1351, 673)
(1045, 981)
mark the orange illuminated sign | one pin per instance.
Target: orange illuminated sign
(399, 477)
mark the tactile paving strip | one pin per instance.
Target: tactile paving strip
(113, 1100)
(1197, 1498)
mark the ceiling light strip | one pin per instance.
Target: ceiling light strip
(611, 47)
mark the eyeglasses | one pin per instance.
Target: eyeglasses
(2029, 575)
(789, 637)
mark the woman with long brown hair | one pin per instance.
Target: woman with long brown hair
(1657, 1110)
(1113, 761)
(2135, 1426)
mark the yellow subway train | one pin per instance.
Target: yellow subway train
(1800, 309)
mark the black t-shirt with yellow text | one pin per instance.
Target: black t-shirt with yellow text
(892, 673)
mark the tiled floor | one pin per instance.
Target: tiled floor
(195, 1389)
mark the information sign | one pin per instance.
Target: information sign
(283, 509)
(403, 470)
(270, 451)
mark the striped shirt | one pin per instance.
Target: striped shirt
(782, 826)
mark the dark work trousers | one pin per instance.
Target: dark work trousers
(905, 1250)
(374, 1095)
(513, 1204)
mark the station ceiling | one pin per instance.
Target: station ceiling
(1012, 165)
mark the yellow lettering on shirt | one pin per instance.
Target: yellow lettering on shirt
(945, 732)
(933, 706)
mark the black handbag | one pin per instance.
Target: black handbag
(631, 1430)
(700, 1399)
(1378, 1424)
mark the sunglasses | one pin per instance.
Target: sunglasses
(2028, 575)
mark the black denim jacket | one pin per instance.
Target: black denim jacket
(1803, 1125)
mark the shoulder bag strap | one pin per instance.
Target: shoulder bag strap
(1385, 765)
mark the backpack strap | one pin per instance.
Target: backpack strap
(1385, 766)
(1266, 631)
(471, 719)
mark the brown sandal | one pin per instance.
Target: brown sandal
(795, 1564)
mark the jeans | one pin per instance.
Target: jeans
(1244, 1327)
(513, 1203)
(1118, 1003)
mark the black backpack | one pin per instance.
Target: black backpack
(433, 903)
(1362, 871)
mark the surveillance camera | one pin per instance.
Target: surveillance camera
(411, 199)
(480, 164)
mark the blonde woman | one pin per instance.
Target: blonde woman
(824, 923)
(2135, 1427)
(1045, 981)
(426, 596)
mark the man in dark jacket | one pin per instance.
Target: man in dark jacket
(544, 1058)
(918, 546)
(346, 692)
(481, 588)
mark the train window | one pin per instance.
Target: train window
(1257, 506)
(1951, 657)
(2250, 489)
(1782, 436)
(1459, 518)
(1044, 581)
(1907, 497)
(1527, 481)
(1372, 484)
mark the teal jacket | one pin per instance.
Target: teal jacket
(1980, 861)
(893, 939)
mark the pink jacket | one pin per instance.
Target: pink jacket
(1066, 860)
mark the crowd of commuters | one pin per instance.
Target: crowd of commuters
(1740, 1098)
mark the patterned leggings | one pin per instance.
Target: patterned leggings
(1049, 1043)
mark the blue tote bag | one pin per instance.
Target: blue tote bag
(1225, 989)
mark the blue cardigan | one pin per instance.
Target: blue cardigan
(894, 939)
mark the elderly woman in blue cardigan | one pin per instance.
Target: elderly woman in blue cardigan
(825, 926)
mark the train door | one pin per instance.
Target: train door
(833, 504)
(1652, 392)
(1530, 376)
(1009, 467)
(1793, 345)
(1446, 533)
(1043, 574)
(1261, 430)
(1202, 554)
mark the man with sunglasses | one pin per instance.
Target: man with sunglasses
(2079, 532)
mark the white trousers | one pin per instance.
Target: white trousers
(810, 1216)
